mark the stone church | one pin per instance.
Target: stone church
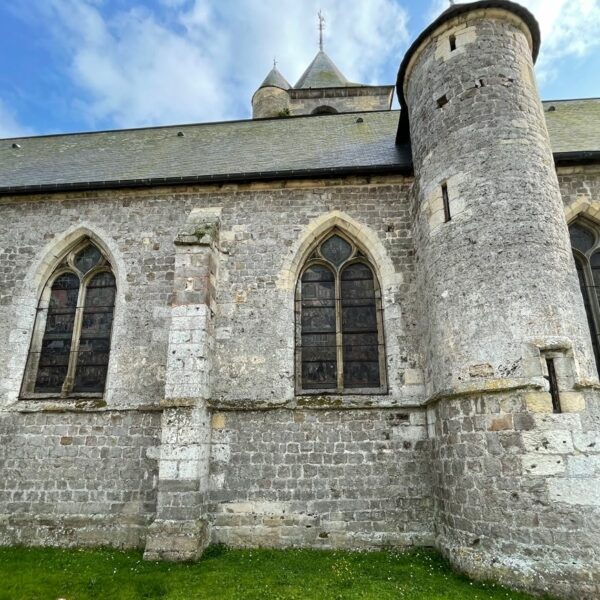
(334, 325)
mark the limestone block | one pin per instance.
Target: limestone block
(218, 421)
(584, 466)
(572, 402)
(413, 377)
(587, 442)
(176, 541)
(539, 402)
(537, 464)
(583, 492)
(548, 442)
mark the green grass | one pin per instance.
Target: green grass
(49, 574)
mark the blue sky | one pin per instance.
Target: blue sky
(79, 65)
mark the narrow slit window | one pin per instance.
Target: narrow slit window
(442, 101)
(552, 380)
(452, 43)
(446, 202)
(339, 337)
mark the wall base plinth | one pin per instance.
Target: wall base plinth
(176, 541)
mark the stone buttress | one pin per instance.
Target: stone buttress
(502, 318)
(180, 531)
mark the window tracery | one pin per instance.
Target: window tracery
(71, 342)
(339, 332)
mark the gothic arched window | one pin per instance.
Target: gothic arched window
(585, 240)
(71, 341)
(339, 332)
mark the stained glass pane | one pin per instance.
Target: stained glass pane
(585, 292)
(319, 364)
(94, 342)
(336, 249)
(359, 327)
(581, 238)
(56, 344)
(87, 258)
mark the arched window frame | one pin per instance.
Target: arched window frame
(591, 300)
(357, 255)
(66, 265)
(324, 109)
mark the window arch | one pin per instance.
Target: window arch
(339, 327)
(585, 241)
(324, 109)
(71, 341)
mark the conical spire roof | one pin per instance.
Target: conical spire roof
(275, 79)
(322, 73)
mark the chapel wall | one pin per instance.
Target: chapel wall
(254, 315)
(77, 479)
(321, 478)
(580, 190)
(112, 453)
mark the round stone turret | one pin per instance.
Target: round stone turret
(271, 99)
(505, 339)
(496, 272)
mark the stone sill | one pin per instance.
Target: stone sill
(27, 404)
(319, 402)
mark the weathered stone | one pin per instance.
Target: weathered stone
(201, 426)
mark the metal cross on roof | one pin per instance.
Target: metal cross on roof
(321, 27)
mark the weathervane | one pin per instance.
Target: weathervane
(321, 27)
(274, 62)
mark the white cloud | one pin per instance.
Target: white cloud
(201, 61)
(569, 28)
(9, 125)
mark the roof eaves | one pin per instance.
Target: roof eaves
(400, 169)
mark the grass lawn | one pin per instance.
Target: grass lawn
(49, 574)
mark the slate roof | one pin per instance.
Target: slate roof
(275, 79)
(322, 73)
(206, 152)
(574, 125)
(244, 150)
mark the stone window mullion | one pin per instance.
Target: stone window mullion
(75, 341)
(339, 342)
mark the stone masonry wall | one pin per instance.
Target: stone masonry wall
(76, 479)
(514, 487)
(324, 478)
(303, 102)
(260, 226)
(580, 190)
(263, 230)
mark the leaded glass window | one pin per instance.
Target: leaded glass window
(339, 337)
(585, 240)
(71, 342)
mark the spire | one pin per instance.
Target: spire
(322, 73)
(321, 28)
(275, 79)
